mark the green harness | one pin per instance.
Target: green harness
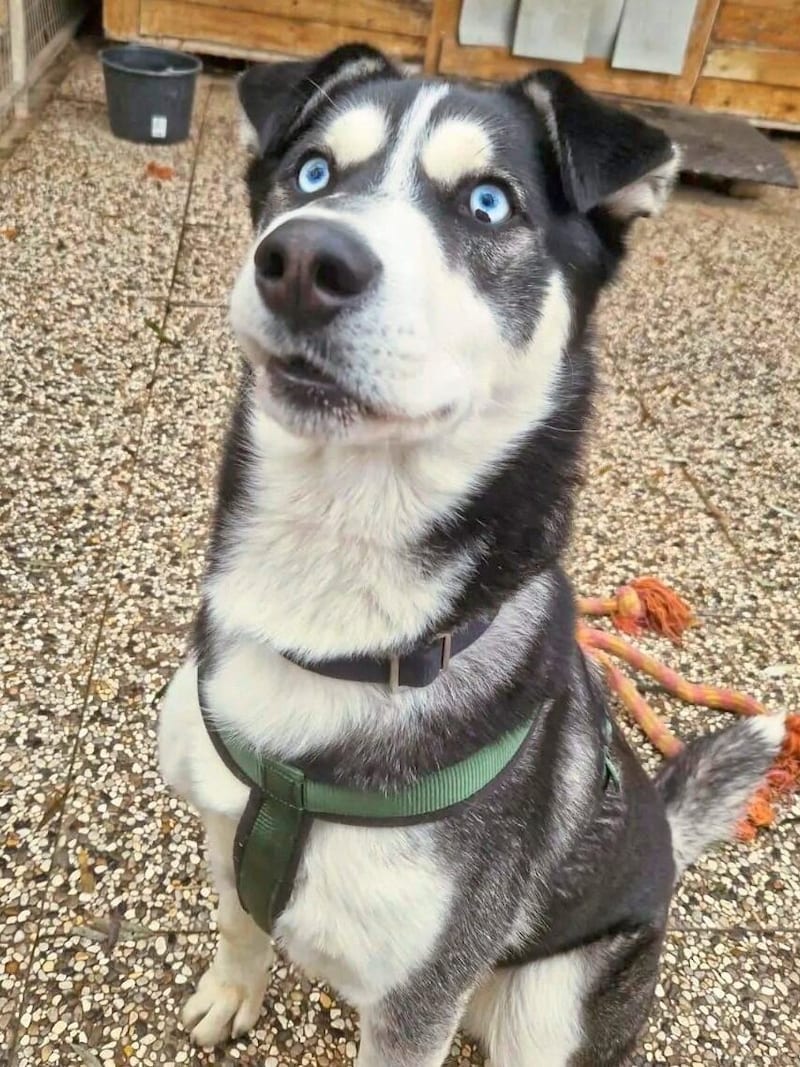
(283, 801)
(272, 831)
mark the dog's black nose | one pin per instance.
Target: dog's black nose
(308, 269)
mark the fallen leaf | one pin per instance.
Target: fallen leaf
(159, 171)
(87, 880)
(778, 670)
(61, 858)
(111, 928)
(106, 688)
(85, 1055)
(54, 804)
(10, 233)
(13, 840)
(114, 927)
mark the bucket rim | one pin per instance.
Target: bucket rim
(111, 57)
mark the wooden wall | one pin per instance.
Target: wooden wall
(752, 66)
(296, 27)
(743, 56)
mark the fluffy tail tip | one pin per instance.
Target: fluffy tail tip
(706, 787)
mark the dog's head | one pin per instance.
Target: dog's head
(426, 249)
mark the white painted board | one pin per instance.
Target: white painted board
(603, 28)
(487, 22)
(553, 29)
(654, 35)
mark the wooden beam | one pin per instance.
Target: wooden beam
(595, 75)
(774, 104)
(444, 25)
(251, 34)
(754, 65)
(121, 18)
(759, 27)
(408, 17)
(769, 4)
(704, 20)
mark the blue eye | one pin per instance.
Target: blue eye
(488, 203)
(314, 175)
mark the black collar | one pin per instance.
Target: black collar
(418, 668)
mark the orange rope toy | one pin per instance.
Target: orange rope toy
(646, 605)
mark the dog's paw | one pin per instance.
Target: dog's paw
(220, 1010)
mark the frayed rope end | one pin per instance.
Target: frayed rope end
(782, 780)
(646, 604)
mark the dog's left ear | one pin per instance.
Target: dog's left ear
(606, 156)
(277, 99)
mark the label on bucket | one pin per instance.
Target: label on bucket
(158, 126)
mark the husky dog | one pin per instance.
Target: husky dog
(401, 464)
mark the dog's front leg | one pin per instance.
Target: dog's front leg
(399, 1032)
(229, 995)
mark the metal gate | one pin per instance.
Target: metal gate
(32, 33)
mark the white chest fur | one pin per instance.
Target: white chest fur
(368, 909)
(368, 904)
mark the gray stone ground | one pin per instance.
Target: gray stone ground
(118, 370)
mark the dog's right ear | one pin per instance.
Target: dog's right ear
(607, 157)
(279, 99)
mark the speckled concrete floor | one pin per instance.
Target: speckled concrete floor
(117, 373)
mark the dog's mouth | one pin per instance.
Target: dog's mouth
(305, 385)
(297, 391)
(313, 402)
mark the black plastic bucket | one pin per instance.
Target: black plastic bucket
(150, 92)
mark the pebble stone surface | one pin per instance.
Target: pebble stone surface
(118, 371)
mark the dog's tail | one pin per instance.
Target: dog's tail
(707, 786)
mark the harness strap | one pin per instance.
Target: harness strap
(283, 801)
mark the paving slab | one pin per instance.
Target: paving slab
(208, 262)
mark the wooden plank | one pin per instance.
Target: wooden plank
(487, 22)
(489, 64)
(553, 31)
(754, 65)
(773, 4)
(121, 18)
(603, 28)
(654, 36)
(704, 19)
(775, 104)
(764, 27)
(444, 25)
(248, 33)
(408, 17)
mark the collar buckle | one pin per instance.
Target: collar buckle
(447, 649)
(394, 674)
